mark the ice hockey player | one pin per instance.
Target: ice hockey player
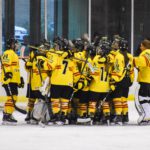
(11, 80)
(99, 87)
(30, 93)
(127, 80)
(63, 78)
(85, 79)
(39, 67)
(142, 62)
(119, 80)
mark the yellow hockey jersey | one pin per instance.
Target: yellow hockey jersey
(10, 63)
(65, 72)
(100, 82)
(143, 64)
(130, 67)
(40, 74)
(118, 70)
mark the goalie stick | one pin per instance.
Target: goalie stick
(16, 107)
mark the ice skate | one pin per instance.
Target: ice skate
(8, 119)
(83, 119)
(117, 120)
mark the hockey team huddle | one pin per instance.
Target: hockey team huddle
(76, 82)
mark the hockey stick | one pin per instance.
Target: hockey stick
(103, 101)
(81, 73)
(10, 92)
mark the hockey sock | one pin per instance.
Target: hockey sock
(30, 106)
(55, 105)
(118, 106)
(92, 108)
(124, 105)
(106, 109)
(9, 106)
(64, 106)
(82, 109)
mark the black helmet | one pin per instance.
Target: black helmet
(91, 50)
(46, 44)
(9, 42)
(105, 47)
(78, 43)
(57, 41)
(123, 45)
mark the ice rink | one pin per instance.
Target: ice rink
(71, 137)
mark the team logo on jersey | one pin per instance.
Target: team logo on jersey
(116, 66)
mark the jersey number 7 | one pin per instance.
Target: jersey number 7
(65, 63)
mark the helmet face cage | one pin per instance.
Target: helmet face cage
(11, 43)
(104, 47)
(65, 45)
(79, 45)
(91, 50)
(123, 45)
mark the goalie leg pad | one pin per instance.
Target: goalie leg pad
(39, 107)
(144, 102)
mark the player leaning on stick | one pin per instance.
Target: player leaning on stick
(142, 62)
(11, 79)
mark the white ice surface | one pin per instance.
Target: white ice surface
(32, 137)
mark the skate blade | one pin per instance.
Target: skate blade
(116, 123)
(83, 120)
(9, 123)
(108, 122)
(50, 123)
(28, 122)
(59, 123)
(33, 122)
(42, 124)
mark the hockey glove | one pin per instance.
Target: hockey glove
(112, 87)
(102, 60)
(8, 75)
(21, 85)
(89, 79)
(112, 83)
(83, 82)
(28, 65)
(80, 85)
